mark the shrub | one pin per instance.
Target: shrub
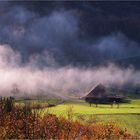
(21, 123)
(6, 104)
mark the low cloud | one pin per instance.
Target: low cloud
(60, 81)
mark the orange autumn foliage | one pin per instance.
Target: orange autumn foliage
(19, 125)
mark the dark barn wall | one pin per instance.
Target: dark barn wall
(106, 100)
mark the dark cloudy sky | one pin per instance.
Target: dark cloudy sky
(63, 48)
(72, 33)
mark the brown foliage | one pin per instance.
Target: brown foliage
(22, 124)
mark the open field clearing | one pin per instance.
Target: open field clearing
(131, 122)
(126, 116)
(18, 121)
(81, 107)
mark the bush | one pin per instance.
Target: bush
(18, 125)
(21, 123)
(6, 104)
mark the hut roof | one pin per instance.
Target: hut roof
(98, 91)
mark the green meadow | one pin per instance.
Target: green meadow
(81, 107)
(126, 116)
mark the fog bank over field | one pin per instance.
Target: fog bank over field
(61, 81)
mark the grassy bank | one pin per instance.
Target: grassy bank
(21, 122)
(126, 116)
(81, 107)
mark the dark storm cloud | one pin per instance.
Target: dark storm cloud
(58, 33)
(30, 33)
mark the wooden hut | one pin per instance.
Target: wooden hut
(100, 95)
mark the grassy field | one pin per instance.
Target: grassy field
(126, 116)
(81, 107)
(129, 121)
